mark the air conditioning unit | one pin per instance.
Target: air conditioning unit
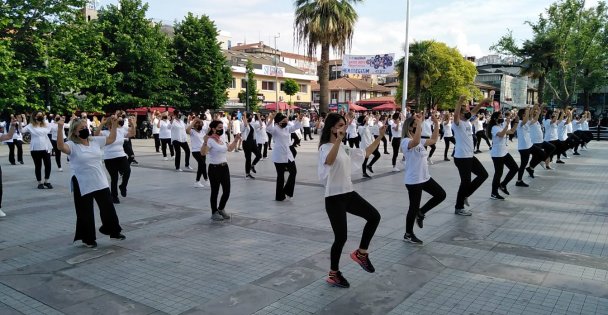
(280, 98)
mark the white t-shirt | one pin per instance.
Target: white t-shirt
(337, 177)
(366, 136)
(447, 130)
(396, 128)
(217, 152)
(524, 141)
(536, 133)
(165, 129)
(85, 163)
(585, 126)
(562, 133)
(115, 149)
(196, 138)
(576, 125)
(427, 129)
(282, 140)
(416, 166)
(463, 132)
(375, 128)
(236, 127)
(499, 144)
(178, 131)
(305, 122)
(569, 127)
(550, 130)
(18, 134)
(40, 139)
(261, 136)
(351, 130)
(155, 129)
(479, 124)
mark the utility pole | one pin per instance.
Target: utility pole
(406, 59)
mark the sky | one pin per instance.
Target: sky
(472, 26)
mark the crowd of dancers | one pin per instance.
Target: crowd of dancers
(543, 137)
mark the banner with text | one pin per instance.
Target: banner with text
(368, 64)
(272, 71)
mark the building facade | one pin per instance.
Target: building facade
(305, 64)
(345, 90)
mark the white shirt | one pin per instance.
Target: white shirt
(282, 140)
(576, 125)
(585, 126)
(524, 141)
(464, 141)
(447, 129)
(351, 130)
(569, 127)
(337, 177)
(178, 131)
(305, 122)
(550, 130)
(247, 129)
(197, 139)
(562, 132)
(115, 149)
(236, 127)
(536, 133)
(375, 128)
(396, 129)
(155, 129)
(40, 139)
(499, 144)
(165, 129)
(261, 136)
(217, 152)
(85, 163)
(479, 124)
(366, 136)
(54, 128)
(18, 134)
(416, 166)
(427, 131)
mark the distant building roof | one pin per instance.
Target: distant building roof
(234, 58)
(352, 84)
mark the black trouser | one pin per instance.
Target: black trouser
(164, 144)
(128, 147)
(574, 142)
(353, 142)
(524, 156)
(396, 143)
(549, 149)
(219, 175)
(0, 187)
(178, 153)
(39, 157)
(466, 167)
(57, 153)
(11, 151)
(307, 132)
(582, 139)
(285, 188)
(499, 164)
(85, 215)
(201, 160)
(384, 142)
(265, 151)
(336, 207)
(480, 134)
(248, 149)
(538, 154)
(116, 167)
(560, 147)
(376, 154)
(433, 147)
(415, 193)
(269, 141)
(156, 142)
(447, 141)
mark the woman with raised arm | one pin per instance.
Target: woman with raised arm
(525, 146)
(448, 135)
(40, 148)
(197, 130)
(282, 156)
(249, 144)
(340, 198)
(396, 130)
(164, 134)
(3, 137)
(480, 132)
(215, 148)
(540, 149)
(499, 128)
(551, 136)
(179, 139)
(261, 137)
(464, 156)
(417, 176)
(89, 181)
(115, 158)
(366, 140)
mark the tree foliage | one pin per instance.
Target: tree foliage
(291, 87)
(250, 95)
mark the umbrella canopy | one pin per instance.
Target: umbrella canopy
(282, 106)
(355, 107)
(386, 106)
(144, 110)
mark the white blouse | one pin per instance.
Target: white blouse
(164, 130)
(85, 163)
(40, 139)
(337, 177)
(196, 138)
(115, 149)
(282, 140)
(217, 152)
(178, 131)
(416, 166)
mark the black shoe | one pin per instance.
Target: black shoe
(48, 185)
(419, 220)
(576, 153)
(13, 163)
(40, 186)
(521, 184)
(504, 190)
(115, 200)
(134, 162)
(365, 175)
(386, 153)
(369, 168)
(248, 176)
(446, 159)
(337, 280)
(123, 190)
(496, 197)
(412, 239)
(90, 244)
(560, 162)
(118, 236)
(21, 162)
(477, 151)
(363, 261)
(530, 171)
(253, 169)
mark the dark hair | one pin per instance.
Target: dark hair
(395, 116)
(406, 127)
(493, 122)
(520, 113)
(361, 120)
(278, 118)
(213, 125)
(331, 120)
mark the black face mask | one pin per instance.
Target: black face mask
(164, 118)
(500, 121)
(84, 133)
(39, 118)
(467, 115)
(219, 132)
(124, 116)
(121, 123)
(249, 120)
(283, 125)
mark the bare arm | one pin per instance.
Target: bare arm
(60, 144)
(461, 101)
(112, 137)
(131, 129)
(10, 133)
(416, 137)
(234, 143)
(435, 135)
(372, 147)
(333, 153)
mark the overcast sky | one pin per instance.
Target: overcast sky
(470, 25)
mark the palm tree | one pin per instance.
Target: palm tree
(420, 67)
(330, 24)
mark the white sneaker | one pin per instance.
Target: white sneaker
(61, 169)
(2, 214)
(199, 185)
(172, 158)
(179, 170)
(165, 159)
(395, 169)
(189, 167)
(430, 161)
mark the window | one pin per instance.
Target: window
(233, 84)
(268, 85)
(334, 96)
(303, 88)
(243, 83)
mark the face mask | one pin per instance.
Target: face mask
(164, 118)
(199, 128)
(283, 125)
(467, 115)
(124, 116)
(248, 119)
(39, 118)
(219, 132)
(121, 123)
(84, 133)
(500, 121)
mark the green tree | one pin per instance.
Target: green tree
(142, 55)
(200, 65)
(251, 92)
(12, 80)
(291, 87)
(420, 68)
(330, 24)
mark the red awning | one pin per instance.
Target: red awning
(144, 110)
(282, 106)
(386, 106)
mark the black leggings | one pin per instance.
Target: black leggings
(178, 153)
(447, 141)
(538, 155)
(219, 175)
(376, 154)
(164, 143)
(549, 148)
(40, 157)
(115, 167)
(384, 142)
(285, 188)
(336, 208)
(466, 167)
(156, 142)
(0, 187)
(128, 147)
(499, 164)
(353, 142)
(248, 149)
(396, 143)
(560, 147)
(433, 148)
(415, 193)
(265, 151)
(85, 215)
(11, 151)
(480, 134)
(201, 160)
(57, 153)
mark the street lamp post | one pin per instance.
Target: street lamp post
(276, 72)
(246, 93)
(406, 59)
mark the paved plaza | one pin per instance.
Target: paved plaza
(542, 251)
